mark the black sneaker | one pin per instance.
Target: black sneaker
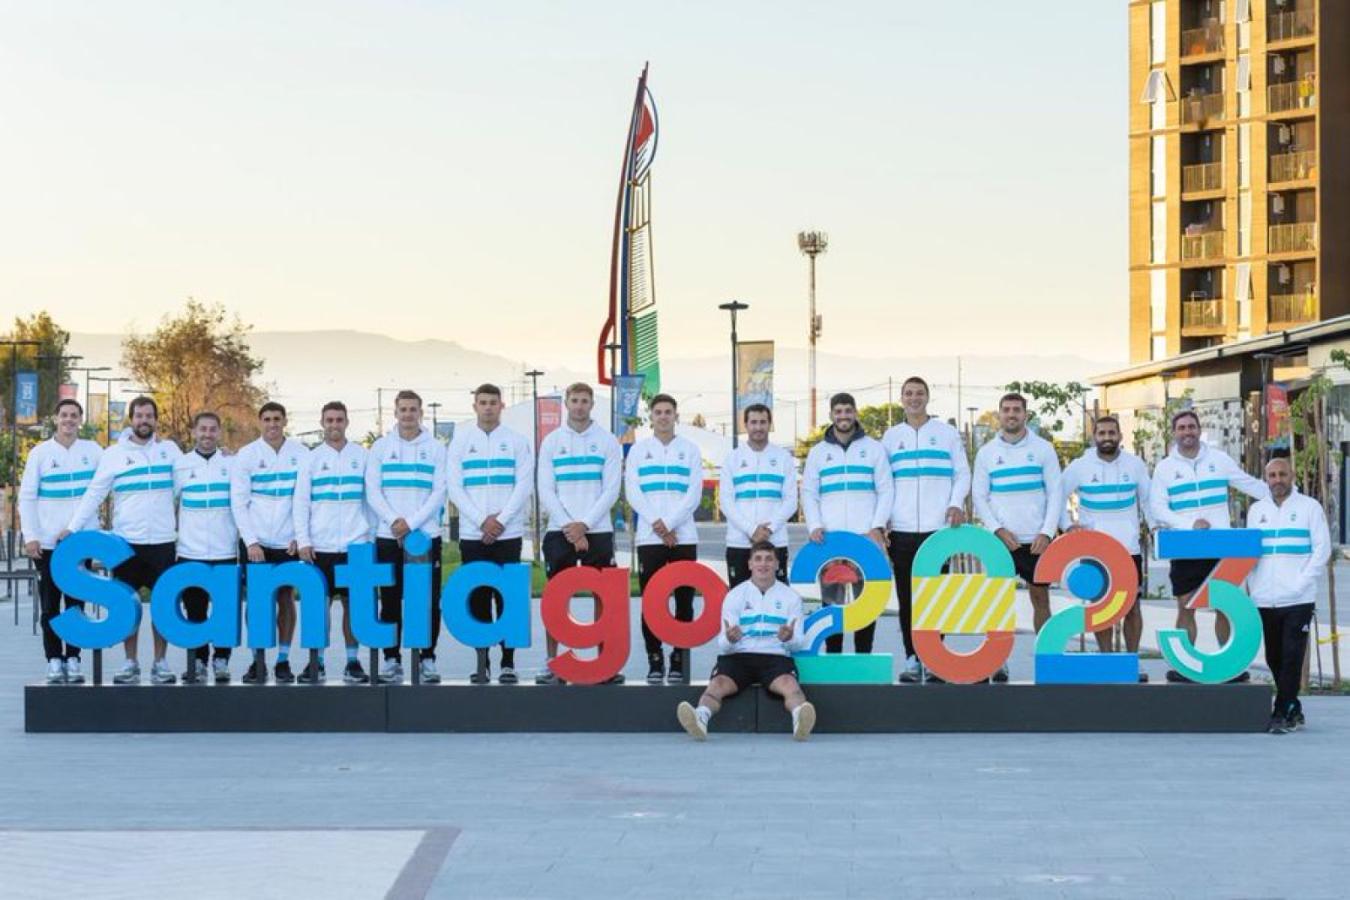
(678, 666)
(656, 668)
(547, 677)
(1241, 679)
(1277, 726)
(355, 674)
(256, 674)
(1176, 677)
(480, 676)
(311, 675)
(1001, 676)
(282, 673)
(616, 678)
(1143, 678)
(931, 677)
(1293, 719)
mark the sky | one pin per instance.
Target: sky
(439, 169)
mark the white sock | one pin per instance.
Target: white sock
(704, 714)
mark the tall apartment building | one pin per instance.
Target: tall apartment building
(1239, 169)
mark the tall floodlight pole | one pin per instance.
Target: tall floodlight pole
(813, 243)
(734, 307)
(533, 375)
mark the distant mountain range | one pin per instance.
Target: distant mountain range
(304, 369)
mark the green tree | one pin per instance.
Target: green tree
(199, 359)
(1052, 403)
(48, 360)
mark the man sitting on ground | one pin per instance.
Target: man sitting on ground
(759, 633)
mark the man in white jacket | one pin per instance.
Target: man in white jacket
(262, 495)
(847, 486)
(206, 529)
(56, 475)
(490, 477)
(330, 514)
(138, 472)
(932, 480)
(405, 488)
(580, 476)
(664, 484)
(1295, 547)
(1112, 486)
(1190, 491)
(761, 627)
(1017, 496)
(758, 495)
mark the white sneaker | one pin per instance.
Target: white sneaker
(130, 673)
(803, 720)
(160, 673)
(220, 669)
(391, 672)
(429, 673)
(688, 717)
(73, 673)
(911, 673)
(56, 672)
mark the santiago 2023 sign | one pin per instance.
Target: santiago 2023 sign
(1092, 566)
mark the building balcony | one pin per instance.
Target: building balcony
(1291, 95)
(1293, 166)
(1291, 309)
(1202, 245)
(1298, 237)
(1202, 316)
(1202, 177)
(1290, 26)
(1200, 108)
(1208, 38)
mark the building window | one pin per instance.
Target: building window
(1158, 347)
(1159, 231)
(1158, 165)
(1157, 30)
(1244, 247)
(1157, 300)
(1244, 142)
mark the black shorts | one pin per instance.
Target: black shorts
(559, 553)
(270, 555)
(1139, 567)
(1024, 561)
(147, 562)
(753, 668)
(328, 563)
(1188, 574)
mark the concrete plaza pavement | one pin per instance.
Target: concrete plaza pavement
(656, 815)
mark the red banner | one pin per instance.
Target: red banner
(1277, 412)
(547, 417)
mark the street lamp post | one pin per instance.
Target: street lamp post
(1265, 359)
(533, 375)
(733, 307)
(613, 389)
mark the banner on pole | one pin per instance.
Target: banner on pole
(627, 393)
(754, 374)
(26, 398)
(547, 417)
(97, 413)
(117, 416)
(1277, 415)
(68, 392)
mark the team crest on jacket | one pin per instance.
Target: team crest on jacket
(355, 465)
(324, 467)
(502, 447)
(593, 448)
(1263, 518)
(1031, 457)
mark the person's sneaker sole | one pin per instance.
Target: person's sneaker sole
(907, 678)
(688, 717)
(656, 677)
(806, 721)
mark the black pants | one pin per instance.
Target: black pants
(195, 601)
(1285, 629)
(651, 559)
(904, 546)
(483, 600)
(559, 553)
(738, 565)
(388, 550)
(50, 596)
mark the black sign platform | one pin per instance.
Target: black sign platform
(461, 707)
